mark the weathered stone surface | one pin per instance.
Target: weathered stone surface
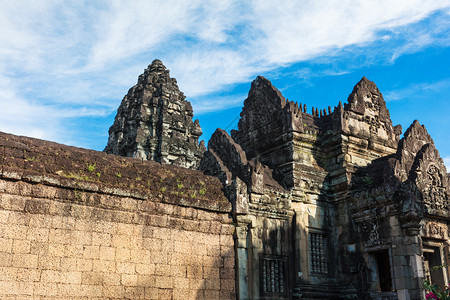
(43, 162)
(82, 224)
(154, 122)
(346, 196)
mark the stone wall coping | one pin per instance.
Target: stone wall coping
(49, 163)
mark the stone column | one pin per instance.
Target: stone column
(242, 261)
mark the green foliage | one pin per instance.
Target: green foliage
(32, 158)
(90, 167)
(163, 189)
(435, 292)
(202, 191)
(180, 184)
(119, 175)
(367, 180)
(77, 194)
(98, 174)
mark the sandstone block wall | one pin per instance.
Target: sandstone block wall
(85, 239)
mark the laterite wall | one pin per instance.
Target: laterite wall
(81, 224)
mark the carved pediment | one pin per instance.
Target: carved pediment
(429, 175)
(366, 116)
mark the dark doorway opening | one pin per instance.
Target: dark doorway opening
(433, 267)
(384, 270)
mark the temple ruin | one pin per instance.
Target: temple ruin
(323, 204)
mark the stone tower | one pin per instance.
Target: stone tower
(154, 122)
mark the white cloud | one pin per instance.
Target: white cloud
(447, 163)
(217, 103)
(417, 89)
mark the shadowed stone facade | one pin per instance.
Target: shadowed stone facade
(332, 204)
(154, 122)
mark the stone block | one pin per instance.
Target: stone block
(49, 263)
(115, 292)
(15, 288)
(145, 280)
(163, 270)
(212, 294)
(38, 234)
(46, 289)
(165, 293)
(123, 254)
(27, 275)
(161, 233)
(227, 273)
(85, 265)
(182, 247)
(226, 240)
(145, 269)
(129, 279)
(92, 278)
(6, 245)
(69, 264)
(163, 282)
(195, 271)
(128, 204)
(228, 262)
(120, 241)
(51, 276)
(91, 252)
(89, 291)
(124, 229)
(211, 272)
(25, 261)
(71, 277)
(227, 284)
(181, 283)
(213, 250)
(81, 237)
(111, 279)
(60, 236)
(212, 283)
(178, 271)
(107, 253)
(180, 293)
(101, 239)
(126, 268)
(14, 217)
(13, 231)
(107, 266)
(212, 261)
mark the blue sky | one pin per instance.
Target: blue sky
(66, 65)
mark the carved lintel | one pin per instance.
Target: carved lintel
(435, 229)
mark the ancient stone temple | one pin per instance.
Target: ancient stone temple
(322, 204)
(154, 122)
(332, 204)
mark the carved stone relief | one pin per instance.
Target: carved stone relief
(435, 230)
(369, 233)
(434, 194)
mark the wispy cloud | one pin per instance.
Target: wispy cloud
(217, 103)
(416, 90)
(447, 163)
(64, 59)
